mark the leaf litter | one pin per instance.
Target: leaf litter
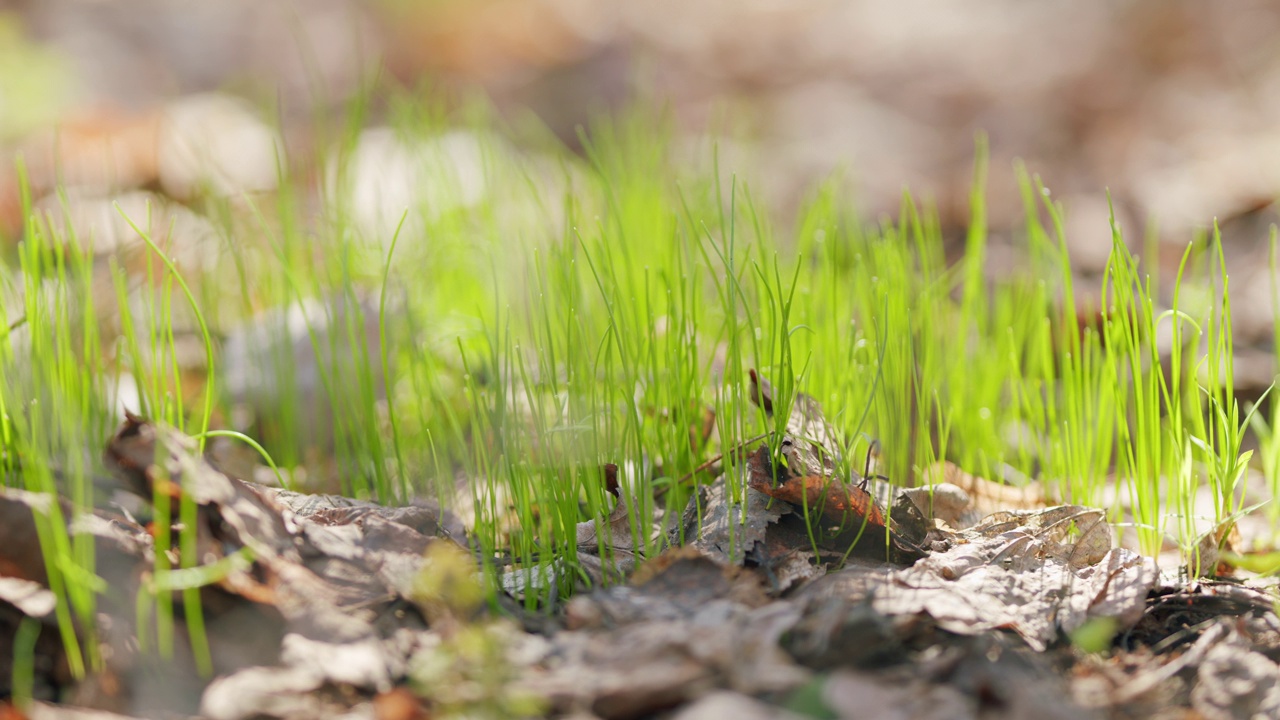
(795, 592)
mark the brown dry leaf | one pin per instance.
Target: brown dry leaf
(839, 504)
(944, 502)
(691, 579)
(853, 694)
(785, 568)
(340, 588)
(118, 549)
(972, 678)
(422, 515)
(845, 518)
(845, 632)
(20, 555)
(1207, 558)
(1078, 535)
(615, 533)
(1022, 573)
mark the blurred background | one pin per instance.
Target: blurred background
(1170, 105)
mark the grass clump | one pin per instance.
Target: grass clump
(498, 346)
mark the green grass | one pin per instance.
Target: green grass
(605, 308)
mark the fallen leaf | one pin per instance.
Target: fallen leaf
(1021, 572)
(844, 517)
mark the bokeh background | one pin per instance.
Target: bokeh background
(1171, 106)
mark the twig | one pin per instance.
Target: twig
(715, 459)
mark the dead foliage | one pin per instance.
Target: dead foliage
(784, 587)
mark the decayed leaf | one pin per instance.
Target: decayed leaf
(1020, 571)
(944, 502)
(609, 549)
(837, 502)
(844, 632)
(718, 526)
(20, 555)
(786, 568)
(973, 678)
(800, 469)
(615, 533)
(1077, 534)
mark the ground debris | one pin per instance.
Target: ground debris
(680, 584)
(313, 613)
(845, 519)
(844, 516)
(1221, 674)
(1177, 615)
(646, 667)
(609, 550)
(980, 678)
(1016, 571)
(718, 525)
(1235, 681)
(836, 632)
(338, 607)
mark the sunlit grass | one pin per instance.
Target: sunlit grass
(532, 315)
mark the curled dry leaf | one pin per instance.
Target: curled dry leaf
(801, 470)
(845, 517)
(1024, 572)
